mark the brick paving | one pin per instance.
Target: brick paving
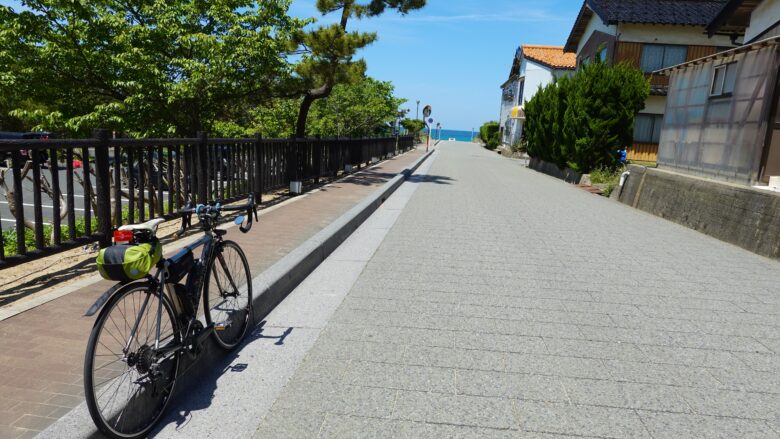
(42, 350)
(505, 303)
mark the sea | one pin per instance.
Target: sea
(459, 135)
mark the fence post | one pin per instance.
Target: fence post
(103, 187)
(202, 167)
(259, 159)
(318, 158)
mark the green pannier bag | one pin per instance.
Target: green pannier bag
(128, 262)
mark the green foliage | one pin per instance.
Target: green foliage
(9, 235)
(414, 126)
(582, 121)
(328, 52)
(362, 109)
(148, 68)
(489, 134)
(607, 178)
(365, 108)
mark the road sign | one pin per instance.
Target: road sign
(427, 111)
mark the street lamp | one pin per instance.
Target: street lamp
(417, 115)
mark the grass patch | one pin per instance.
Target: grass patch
(607, 178)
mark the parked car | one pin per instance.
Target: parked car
(43, 156)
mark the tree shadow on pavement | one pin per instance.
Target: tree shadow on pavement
(427, 178)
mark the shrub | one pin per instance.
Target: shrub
(583, 121)
(489, 134)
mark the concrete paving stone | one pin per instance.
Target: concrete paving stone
(32, 422)
(654, 373)
(595, 392)
(732, 403)
(626, 335)
(594, 349)
(602, 308)
(510, 385)
(739, 329)
(499, 342)
(557, 366)
(760, 362)
(404, 377)
(315, 368)
(655, 397)
(747, 380)
(290, 423)
(552, 316)
(718, 342)
(582, 420)
(337, 398)
(656, 323)
(443, 408)
(409, 336)
(358, 350)
(773, 344)
(693, 357)
(455, 358)
(681, 426)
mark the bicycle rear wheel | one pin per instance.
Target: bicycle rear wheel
(227, 294)
(128, 386)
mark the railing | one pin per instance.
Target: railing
(109, 182)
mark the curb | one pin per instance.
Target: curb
(275, 283)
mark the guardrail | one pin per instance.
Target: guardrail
(122, 181)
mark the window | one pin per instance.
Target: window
(520, 93)
(602, 54)
(724, 79)
(647, 128)
(656, 56)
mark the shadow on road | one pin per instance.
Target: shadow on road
(196, 386)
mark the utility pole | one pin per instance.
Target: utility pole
(417, 115)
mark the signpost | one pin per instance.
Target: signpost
(428, 121)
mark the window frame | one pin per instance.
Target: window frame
(663, 55)
(655, 119)
(721, 92)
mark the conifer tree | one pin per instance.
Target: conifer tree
(328, 51)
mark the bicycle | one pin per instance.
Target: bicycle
(148, 324)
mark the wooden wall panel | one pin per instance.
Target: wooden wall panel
(696, 52)
(628, 52)
(646, 152)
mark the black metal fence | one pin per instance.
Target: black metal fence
(124, 181)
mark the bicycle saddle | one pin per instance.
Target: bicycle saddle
(150, 225)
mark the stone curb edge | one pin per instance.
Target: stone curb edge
(275, 283)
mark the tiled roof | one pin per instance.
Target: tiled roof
(551, 56)
(690, 12)
(680, 12)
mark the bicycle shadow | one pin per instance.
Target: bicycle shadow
(196, 386)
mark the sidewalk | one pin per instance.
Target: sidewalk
(41, 350)
(503, 303)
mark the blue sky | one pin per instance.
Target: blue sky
(454, 54)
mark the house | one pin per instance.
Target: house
(533, 66)
(722, 118)
(651, 35)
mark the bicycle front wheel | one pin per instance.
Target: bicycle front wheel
(227, 294)
(128, 377)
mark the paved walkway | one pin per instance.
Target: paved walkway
(505, 303)
(42, 350)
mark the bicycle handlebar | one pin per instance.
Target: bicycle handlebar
(214, 210)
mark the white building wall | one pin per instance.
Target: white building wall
(655, 105)
(535, 75)
(763, 17)
(670, 34)
(595, 24)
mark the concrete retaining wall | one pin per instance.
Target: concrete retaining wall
(553, 170)
(740, 215)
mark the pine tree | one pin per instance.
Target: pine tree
(329, 51)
